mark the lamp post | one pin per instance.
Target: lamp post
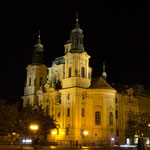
(85, 134)
(34, 128)
(53, 135)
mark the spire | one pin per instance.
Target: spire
(76, 37)
(39, 37)
(77, 21)
(104, 74)
(38, 52)
(77, 18)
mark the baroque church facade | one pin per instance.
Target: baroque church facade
(67, 92)
(85, 108)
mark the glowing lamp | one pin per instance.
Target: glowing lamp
(85, 132)
(112, 139)
(34, 127)
(53, 132)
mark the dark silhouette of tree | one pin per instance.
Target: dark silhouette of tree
(13, 120)
(30, 115)
(137, 124)
(8, 117)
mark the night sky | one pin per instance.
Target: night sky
(118, 36)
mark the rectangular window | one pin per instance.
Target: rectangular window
(30, 82)
(83, 112)
(117, 132)
(68, 112)
(67, 130)
(34, 82)
(116, 114)
(116, 100)
(97, 118)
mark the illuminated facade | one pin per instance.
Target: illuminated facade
(86, 109)
(83, 107)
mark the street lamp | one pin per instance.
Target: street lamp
(34, 127)
(85, 134)
(53, 132)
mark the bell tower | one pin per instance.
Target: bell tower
(36, 75)
(77, 70)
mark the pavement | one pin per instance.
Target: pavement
(18, 147)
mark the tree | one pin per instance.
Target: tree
(8, 117)
(28, 116)
(13, 120)
(137, 124)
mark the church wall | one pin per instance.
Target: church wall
(91, 100)
(103, 101)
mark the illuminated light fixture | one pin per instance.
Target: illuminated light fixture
(27, 141)
(85, 132)
(13, 133)
(34, 127)
(149, 125)
(53, 132)
(112, 139)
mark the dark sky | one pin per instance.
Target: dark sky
(118, 36)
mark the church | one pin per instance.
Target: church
(86, 109)
(83, 107)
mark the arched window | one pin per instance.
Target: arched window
(69, 71)
(116, 114)
(82, 72)
(30, 82)
(110, 118)
(68, 96)
(97, 118)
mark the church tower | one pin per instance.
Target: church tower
(36, 75)
(77, 70)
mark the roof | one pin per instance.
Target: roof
(58, 61)
(100, 83)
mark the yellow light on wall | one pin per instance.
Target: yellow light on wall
(62, 133)
(34, 127)
(149, 124)
(85, 132)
